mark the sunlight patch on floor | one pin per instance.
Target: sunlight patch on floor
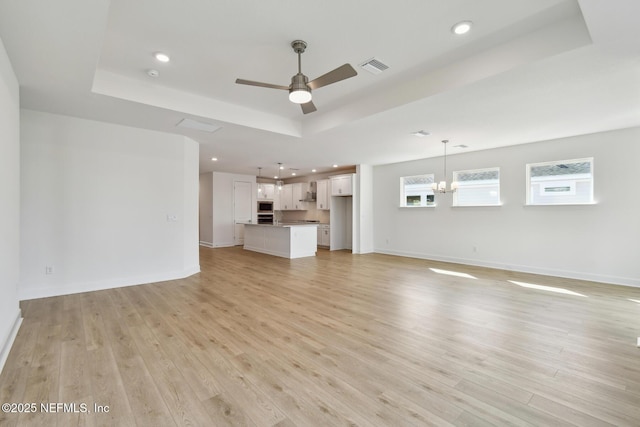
(546, 288)
(452, 273)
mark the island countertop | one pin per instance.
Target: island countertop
(286, 224)
(287, 240)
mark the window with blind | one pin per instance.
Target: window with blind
(564, 182)
(478, 187)
(415, 191)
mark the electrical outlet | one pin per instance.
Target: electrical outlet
(48, 269)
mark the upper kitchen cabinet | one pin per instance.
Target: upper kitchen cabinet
(298, 194)
(323, 198)
(291, 197)
(342, 185)
(266, 191)
(277, 191)
(286, 198)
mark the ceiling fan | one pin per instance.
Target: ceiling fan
(300, 87)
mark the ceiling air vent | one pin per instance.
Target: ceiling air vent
(374, 66)
(196, 125)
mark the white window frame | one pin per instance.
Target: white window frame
(424, 202)
(456, 202)
(554, 182)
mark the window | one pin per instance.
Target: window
(479, 187)
(565, 182)
(416, 191)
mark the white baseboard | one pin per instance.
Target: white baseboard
(224, 245)
(6, 346)
(26, 292)
(601, 278)
(206, 244)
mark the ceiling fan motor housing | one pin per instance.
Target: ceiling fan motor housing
(299, 82)
(299, 91)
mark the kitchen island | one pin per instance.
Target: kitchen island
(288, 240)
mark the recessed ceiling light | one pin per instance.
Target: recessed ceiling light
(335, 166)
(281, 167)
(293, 174)
(214, 159)
(162, 57)
(462, 27)
(313, 170)
(421, 133)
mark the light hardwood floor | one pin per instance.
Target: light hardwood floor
(339, 339)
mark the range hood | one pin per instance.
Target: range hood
(311, 193)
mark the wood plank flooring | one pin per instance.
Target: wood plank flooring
(339, 339)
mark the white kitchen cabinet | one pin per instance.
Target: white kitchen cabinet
(324, 235)
(276, 198)
(266, 191)
(298, 193)
(323, 198)
(291, 196)
(342, 185)
(286, 198)
(287, 241)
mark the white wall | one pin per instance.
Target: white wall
(190, 193)
(364, 210)
(10, 200)
(206, 209)
(223, 219)
(104, 205)
(597, 242)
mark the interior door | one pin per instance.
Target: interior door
(242, 209)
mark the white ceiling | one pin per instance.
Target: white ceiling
(529, 70)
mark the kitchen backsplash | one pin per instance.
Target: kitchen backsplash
(311, 214)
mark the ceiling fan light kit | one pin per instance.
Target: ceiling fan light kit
(300, 96)
(300, 87)
(299, 92)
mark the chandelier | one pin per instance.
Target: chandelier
(441, 187)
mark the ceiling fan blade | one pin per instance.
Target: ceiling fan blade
(260, 84)
(308, 107)
(343, 72)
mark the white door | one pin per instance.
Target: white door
(242, 209)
